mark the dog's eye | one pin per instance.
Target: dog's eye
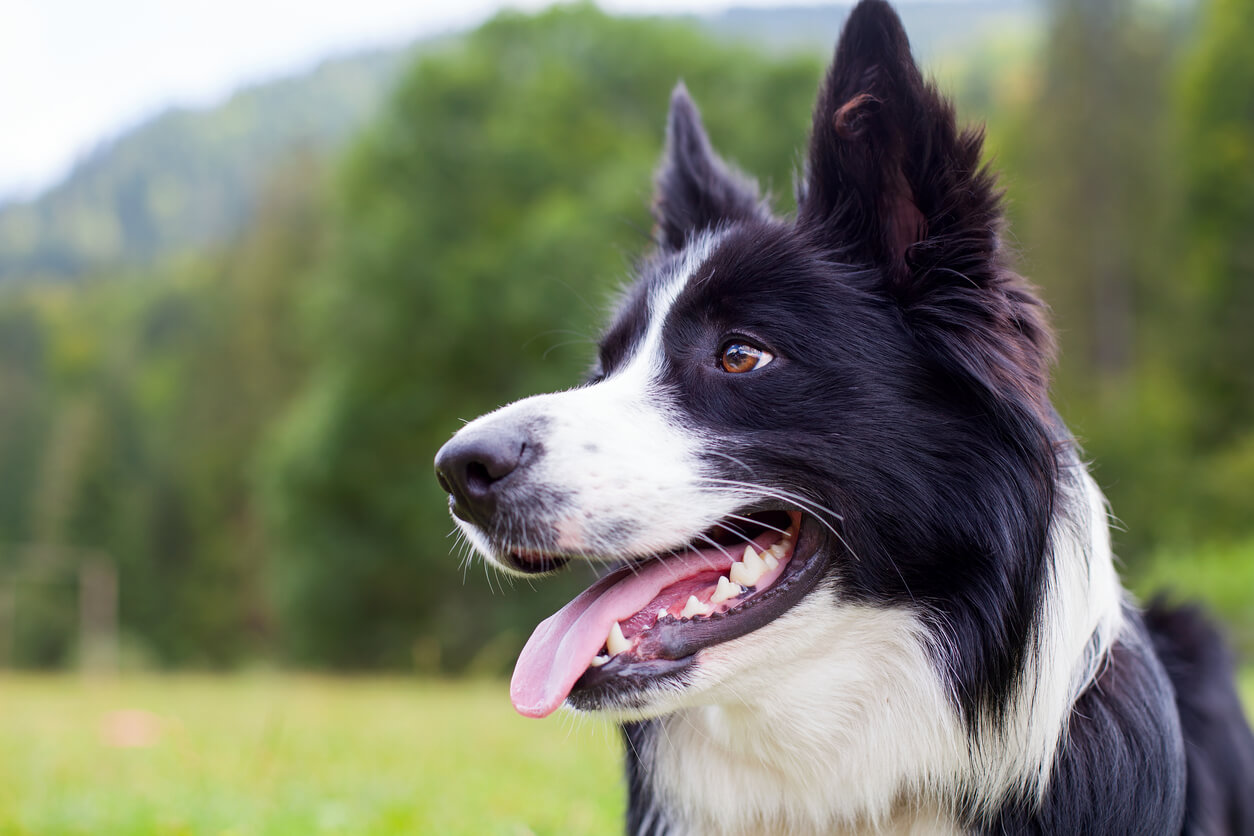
(741, 357)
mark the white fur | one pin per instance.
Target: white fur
(829, 719)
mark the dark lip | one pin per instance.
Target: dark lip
(536, 564)
(667, 652)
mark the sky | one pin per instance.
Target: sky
(77, 72)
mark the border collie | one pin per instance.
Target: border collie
(861, 580)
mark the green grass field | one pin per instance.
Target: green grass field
(295, 755)
(298, 755)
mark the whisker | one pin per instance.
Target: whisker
(755, 522)
(813, 507)
(563, 344)
(816, 510)
(730, 458)
(715, 544)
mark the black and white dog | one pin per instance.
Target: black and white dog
(863, 580)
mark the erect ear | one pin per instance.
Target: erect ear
(693, 188)
(892, 183)
(887, 169)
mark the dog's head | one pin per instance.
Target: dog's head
(845, 408)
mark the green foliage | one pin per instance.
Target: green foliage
(1215, 263)
(136, 405)
(1129, 217)
(484, 220)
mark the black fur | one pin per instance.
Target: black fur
(1122, 768)
(644, 817)
(695, 189)
(1219, 747)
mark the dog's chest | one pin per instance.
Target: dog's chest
(703, 782)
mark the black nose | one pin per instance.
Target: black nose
(471, 466)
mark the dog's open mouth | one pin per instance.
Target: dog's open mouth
(646, 620)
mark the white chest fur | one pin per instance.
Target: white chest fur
(842, 737)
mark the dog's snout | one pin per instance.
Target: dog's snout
(471, 467)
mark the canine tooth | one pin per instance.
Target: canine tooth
(742, 575)
(598, 661)
(616, 642)
(695, 607)
(747, 572)
(726, 590)
(772, 562)
(662, 613)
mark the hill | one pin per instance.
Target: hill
(188, 178)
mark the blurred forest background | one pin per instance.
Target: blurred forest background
(233, 339)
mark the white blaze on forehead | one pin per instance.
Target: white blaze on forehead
(625, 452)
(662, 298)
(621, 459)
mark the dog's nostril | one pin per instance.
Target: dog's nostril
(471, 465)
(478, 479)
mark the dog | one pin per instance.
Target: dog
(861, 579)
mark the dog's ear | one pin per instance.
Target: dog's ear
(694, 188)
(878, 128)
(892, 183)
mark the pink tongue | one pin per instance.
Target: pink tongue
(561, 648)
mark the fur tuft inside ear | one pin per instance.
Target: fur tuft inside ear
(694, 188)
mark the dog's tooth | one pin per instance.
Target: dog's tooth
(742, 575)
(772, 562)
(747, 572)
(662, 613)
(726, 590)
(599, 660)
(694, 607)
(616, 642)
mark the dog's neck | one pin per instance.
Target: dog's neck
(854, 731)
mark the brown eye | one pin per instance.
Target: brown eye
(742, 357)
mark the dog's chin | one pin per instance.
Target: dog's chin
(632, 644)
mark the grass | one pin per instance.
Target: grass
(298, 755)
(295, 755)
